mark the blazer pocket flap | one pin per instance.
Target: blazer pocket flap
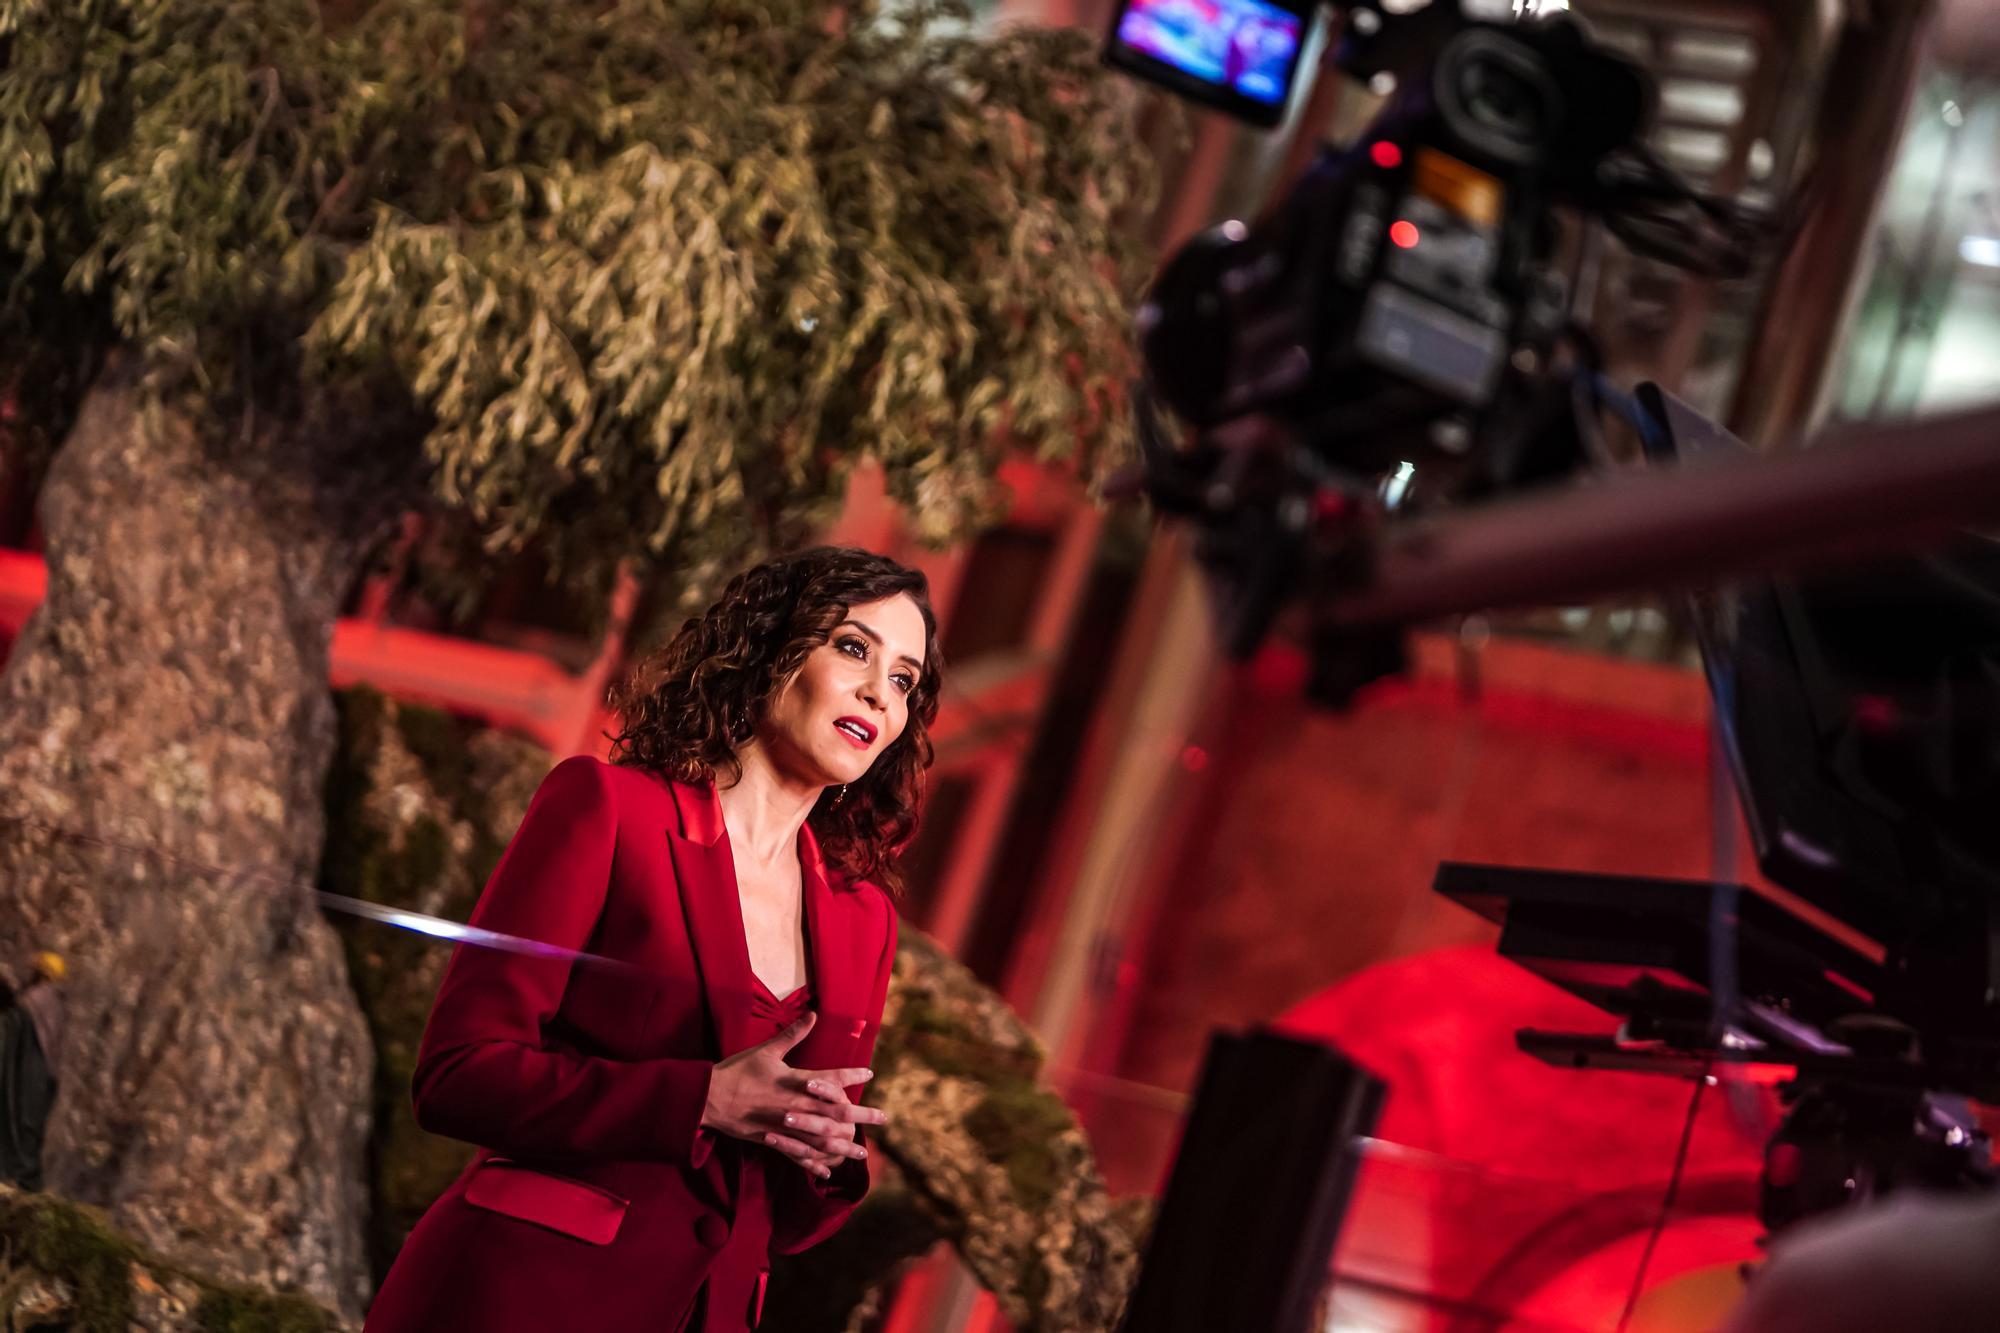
(572, 1207)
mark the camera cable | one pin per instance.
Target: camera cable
(1667, 1200)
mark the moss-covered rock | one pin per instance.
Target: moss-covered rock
(65, 1269)
(1021, 1128)
(996, 1159)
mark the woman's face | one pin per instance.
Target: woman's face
(851, 698)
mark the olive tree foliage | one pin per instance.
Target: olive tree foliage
(657, 273)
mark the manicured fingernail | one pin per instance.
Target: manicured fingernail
(863, 1153)
(771, 1139)
(813, 1087)
(790, 1120)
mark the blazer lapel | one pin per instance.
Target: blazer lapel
(707, 874)
(840, 976)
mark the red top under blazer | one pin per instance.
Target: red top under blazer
(596, 1200)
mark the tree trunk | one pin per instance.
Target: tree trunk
(165, 729)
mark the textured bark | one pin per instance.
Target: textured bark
(168, 702)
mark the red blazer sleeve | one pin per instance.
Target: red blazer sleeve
(805, 1210)
(482, 1074)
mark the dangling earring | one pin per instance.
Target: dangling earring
(842, 794)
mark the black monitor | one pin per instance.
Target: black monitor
(1860, 710)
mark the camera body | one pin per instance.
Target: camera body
(1405, 293)
(1386, 338)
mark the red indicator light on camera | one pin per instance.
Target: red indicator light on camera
(1385, 155)
(1404, 233)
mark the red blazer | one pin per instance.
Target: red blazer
(596, 1200)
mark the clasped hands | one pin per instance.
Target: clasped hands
(802, 1113)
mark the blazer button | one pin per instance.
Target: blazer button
(711, 1231)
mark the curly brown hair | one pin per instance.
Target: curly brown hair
(701, 696)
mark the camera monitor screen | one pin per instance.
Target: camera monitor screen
(1237, 55)
(1860, 708)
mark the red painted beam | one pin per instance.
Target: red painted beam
(24, 581)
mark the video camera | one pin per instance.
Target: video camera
(1396, 333)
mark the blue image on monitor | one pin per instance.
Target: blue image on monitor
(1245, 45)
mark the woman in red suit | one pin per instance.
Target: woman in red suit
(651, 1128)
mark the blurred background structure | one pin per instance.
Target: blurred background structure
(1135, 843)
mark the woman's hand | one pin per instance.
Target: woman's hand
(803, 1113)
